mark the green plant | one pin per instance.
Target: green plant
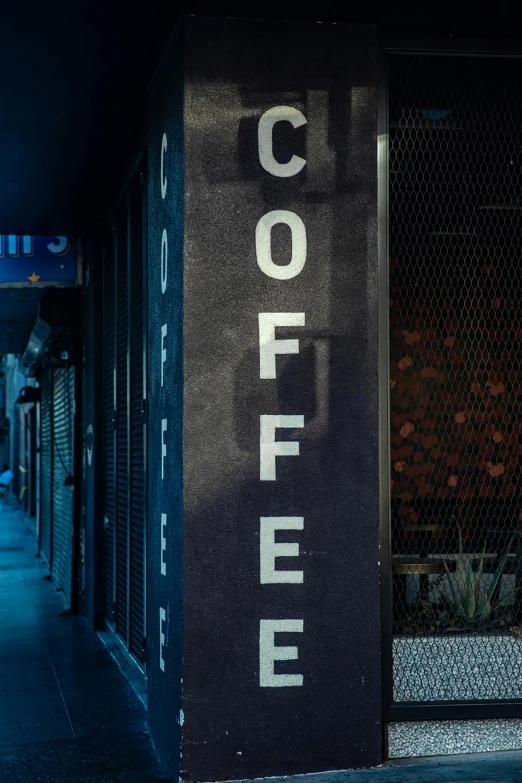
(470, 597)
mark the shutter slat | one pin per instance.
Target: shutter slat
(122, 435)
(125, 447)
(63, 466)
(46, 461)
(110, 477)
(137, 451)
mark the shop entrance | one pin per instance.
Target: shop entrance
(453, 615)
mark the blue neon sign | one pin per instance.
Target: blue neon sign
(37, 260)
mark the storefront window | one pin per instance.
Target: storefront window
(455, 370)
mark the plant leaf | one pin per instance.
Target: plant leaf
(500, 568)
(471, 604)
(457, 606)
(480, 570)
(484, 608)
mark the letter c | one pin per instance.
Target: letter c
(162, 176)
(265, 130)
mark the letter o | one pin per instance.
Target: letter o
(163, 179)
(264, 244)
(265, 141)
(164, 261)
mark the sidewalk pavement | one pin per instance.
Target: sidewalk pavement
(67, 713)
(505, 767)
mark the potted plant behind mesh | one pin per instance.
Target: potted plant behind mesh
(471, 600)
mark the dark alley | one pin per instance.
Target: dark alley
(68, 713)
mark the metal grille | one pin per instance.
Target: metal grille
(109, 407)
(63, 467)
(46, 466)
(122, 427)
(137, 442)
(125, 490)
(455, 185)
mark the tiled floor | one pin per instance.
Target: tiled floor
(67, 714)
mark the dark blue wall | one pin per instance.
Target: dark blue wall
(238, 723)
(164, 402)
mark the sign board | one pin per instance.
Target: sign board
(27, 261)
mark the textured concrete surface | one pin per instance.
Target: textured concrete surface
(457, 668)
(67, 714)
(448, 737)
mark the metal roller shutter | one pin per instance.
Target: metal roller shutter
(125, 452)
(137, 558)
(109, 407)
(122, 427)
(46, 465)
(63, 466)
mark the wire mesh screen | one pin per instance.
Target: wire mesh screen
(455, 130)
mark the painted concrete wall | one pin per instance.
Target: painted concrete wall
(263, 406)
(165, 404)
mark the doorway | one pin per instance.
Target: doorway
(453, 603)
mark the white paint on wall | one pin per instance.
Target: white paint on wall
(163, 617)
(270, 550)
(265, 137)
(163, 446)
(163, 544)
(270, 448)
(264, 244)
(163, 349)
(164, 260)
(269, 346)
(163, 178)
(269, 653)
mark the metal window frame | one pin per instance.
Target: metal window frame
(436, 710)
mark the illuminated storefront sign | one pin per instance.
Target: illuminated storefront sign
(36, 261)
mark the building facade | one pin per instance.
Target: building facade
(277, 417)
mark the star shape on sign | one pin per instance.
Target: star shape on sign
(34, 278)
